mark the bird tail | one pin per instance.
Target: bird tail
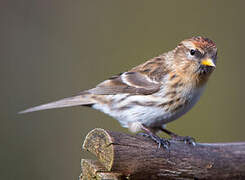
(78, 100)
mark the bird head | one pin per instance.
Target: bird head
(196, 56)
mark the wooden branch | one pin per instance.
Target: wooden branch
(92, 169)
(121, 155)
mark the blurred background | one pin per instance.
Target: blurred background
(52, 49)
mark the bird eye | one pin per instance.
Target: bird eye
(192, 52)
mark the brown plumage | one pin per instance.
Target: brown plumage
(154, 93)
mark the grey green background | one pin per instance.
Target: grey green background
(54, 49)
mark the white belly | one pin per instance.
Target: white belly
(150, 116)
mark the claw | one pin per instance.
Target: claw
(164, 143)
(175, 137)
(185, 139)
(160, 141)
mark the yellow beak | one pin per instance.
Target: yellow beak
(208, 62)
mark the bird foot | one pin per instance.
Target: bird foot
(160, 141)
(185, 139)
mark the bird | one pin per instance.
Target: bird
(154, 93)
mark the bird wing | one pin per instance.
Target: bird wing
(129, 82)
(144, 79)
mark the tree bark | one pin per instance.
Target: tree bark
(121, 155)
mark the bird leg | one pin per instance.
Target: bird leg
(160, 141)
(185, 139)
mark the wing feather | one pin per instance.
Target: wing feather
(128, 82)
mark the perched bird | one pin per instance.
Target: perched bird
(154, 93)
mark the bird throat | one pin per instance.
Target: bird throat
(203, 75)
